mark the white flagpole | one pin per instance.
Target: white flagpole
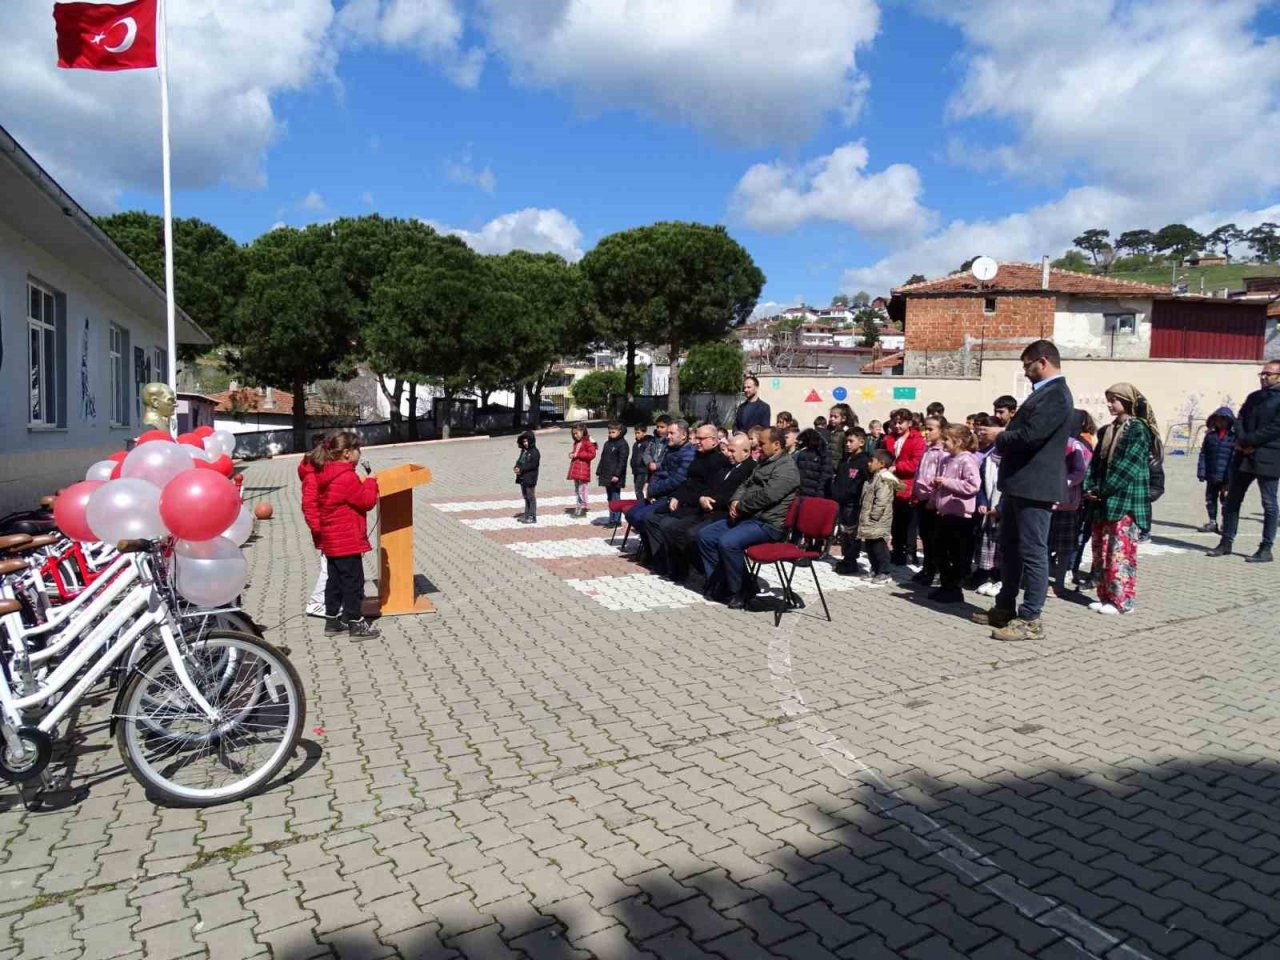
(162, 52)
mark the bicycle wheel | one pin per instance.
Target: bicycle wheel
(185, 758)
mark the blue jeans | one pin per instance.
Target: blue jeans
(638, 515)
(1024, 555)
(1235, 497)
(723, 546)
(611, 493)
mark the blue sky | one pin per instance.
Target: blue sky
(846, 143)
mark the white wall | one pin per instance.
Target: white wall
(36, 461)
(1080, 330)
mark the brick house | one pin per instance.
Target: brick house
(954, 322)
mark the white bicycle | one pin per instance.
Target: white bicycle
(201, 716)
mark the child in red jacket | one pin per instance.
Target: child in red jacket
(580, 457)
(345, 499)
(309, 468)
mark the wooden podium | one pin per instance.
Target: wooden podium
(396, 593)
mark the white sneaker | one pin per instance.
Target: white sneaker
(1107, 610)
(316, 610)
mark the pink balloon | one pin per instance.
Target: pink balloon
(68, 510)
(198, 504)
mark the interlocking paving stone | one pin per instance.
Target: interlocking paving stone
(567, 762)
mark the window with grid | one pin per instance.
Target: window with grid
(42, 356)
(160, 365)
(117, 355)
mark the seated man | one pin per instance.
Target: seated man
(663, 482)
(673, 535)
(756, 515)
(708, 463)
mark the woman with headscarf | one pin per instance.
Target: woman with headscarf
(1065, 524)
(1118, 493)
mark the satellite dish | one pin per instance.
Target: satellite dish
(983, 269)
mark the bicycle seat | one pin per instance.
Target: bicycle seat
(13, 541)
(12, 566)
(9, 606)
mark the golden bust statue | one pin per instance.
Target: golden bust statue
(158, 403)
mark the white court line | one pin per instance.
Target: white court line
(951, 848)
(560, 549)
(473, 506)
(636, 593)
(555, 520)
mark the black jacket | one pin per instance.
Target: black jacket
(754, 413)
(613, 462)
(812, 465)
(528, 461)
(1258, 426)
(706, 466)
(846, 486)
(1032, 463)
(639, 470)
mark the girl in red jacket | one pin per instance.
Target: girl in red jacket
(580, 457)
(309, 468)
(344, 500)
(907, 446)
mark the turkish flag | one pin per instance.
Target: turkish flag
(106, 36)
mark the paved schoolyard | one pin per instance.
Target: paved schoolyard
(573, 759)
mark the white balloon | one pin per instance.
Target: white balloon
(157, 462)
(200, 453)
(125, 509)
(241, 528)
(209, 573)
(226, 441)
(101, 470)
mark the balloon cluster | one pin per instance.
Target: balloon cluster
(163, 488)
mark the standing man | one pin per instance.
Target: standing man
(1032, 478)
(752, 412)
(1257, 457)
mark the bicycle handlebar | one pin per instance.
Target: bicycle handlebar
(135, 546)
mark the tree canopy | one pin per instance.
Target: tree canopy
(714, 368)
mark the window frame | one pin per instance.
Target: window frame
(44, 358)
(118, 374)
(1114, 326)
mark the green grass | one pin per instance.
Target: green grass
(1215, 278)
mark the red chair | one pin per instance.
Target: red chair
(622, 506)
(814, 519)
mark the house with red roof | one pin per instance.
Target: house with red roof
(954, 322)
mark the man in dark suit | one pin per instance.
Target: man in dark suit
(1033, 477)
(752, 412)
(1256, 457)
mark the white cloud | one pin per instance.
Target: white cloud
(99, 133)
(768, 308)
(751, 71)
(367, 198)
(1170, 95)
(778, 196)
(313, 202)
(463, 170)
(432, 29)
(1170, 112)
(538, 231)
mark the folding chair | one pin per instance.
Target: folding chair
(622, 506)
(813, 518)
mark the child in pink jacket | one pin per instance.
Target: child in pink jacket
(953, 497)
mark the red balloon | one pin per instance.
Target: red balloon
(205, 465)
(223, 465)
(115, 474)
(191, 440)
(156, 435)
(118, 456)
(198, 505)
(68, 510)
(203, 431)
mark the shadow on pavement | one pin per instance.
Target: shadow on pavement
(1176, 859)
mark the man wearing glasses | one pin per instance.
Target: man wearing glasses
(1032, 477)
(1257, 457)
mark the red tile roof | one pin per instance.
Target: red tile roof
(254, 400)
(1025, 278)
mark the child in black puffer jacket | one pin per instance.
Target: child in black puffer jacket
(526, 471)
(846, 490)
(812, 462)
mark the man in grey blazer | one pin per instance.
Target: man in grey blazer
(1033, 477)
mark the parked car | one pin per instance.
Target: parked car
(547, 410)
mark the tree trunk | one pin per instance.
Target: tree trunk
(446, 412)
(673, 380)
(631, 372)
(299, 416)
(484, 399)
(517, 416)
(413, 410)
(393, 404)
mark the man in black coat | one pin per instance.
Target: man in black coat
(674, 535)
(1256, 457)
(707, 459)
(752, 412)
(1033, 477)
